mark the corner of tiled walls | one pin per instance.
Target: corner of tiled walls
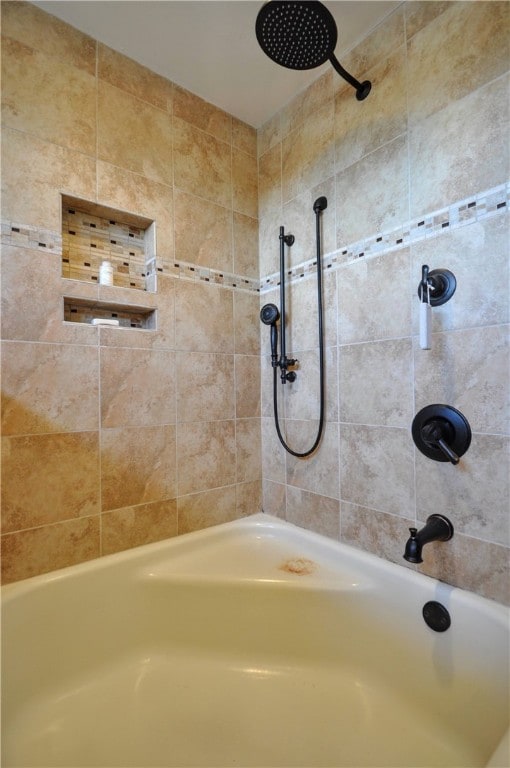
(416, 174)
(118, 437)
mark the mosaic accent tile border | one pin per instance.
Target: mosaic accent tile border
(492, 202)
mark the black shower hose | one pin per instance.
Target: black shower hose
(321, 362)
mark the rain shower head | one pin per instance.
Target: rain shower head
(302, 35)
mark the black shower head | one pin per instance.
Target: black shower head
(302, 34)
(269, 314)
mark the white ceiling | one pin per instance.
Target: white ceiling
(209, 46)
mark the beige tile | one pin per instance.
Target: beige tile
(442, 67)
(313, 512)
(244, 183)
(41, 97)
(302, 396)
(201, 114)
(471, 564)
(49, 388)
(461, 149)
(300, 220)
(371, 304)
(308, 153)
(319, 472)
(247, 385)
(137, 466)
(273, 498)
(377, 532)
(203, 232)
(246, 323)
(145, 143)
(201, 510)
(204, 318)
(419, 13)
(269, 134)
(39, 550)
(32, 307)
(301, 304)
(202, 164)
(474, 494)
(130, 76)
(360, 128)
(375, 381)
(244, 137)
(246, 251)
(135, 526)
(126, 191)
(377, 468)
(470, 370)
(35, 173)
(249, 498)
(205, 386)
(267, 387)
(137, 387)
(373, 194)
(49, 478)
(248, 447)
(205, 455)
(32, 26)
(470, 251)
(305, 105)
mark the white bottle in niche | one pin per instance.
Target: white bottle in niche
(106, 273)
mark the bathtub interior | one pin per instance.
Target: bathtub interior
(251, 644)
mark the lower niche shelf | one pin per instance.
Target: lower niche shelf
(127, 315)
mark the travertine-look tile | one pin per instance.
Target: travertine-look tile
(127, 191)
(319, 472)
(377, 532)
(308, 153)
(247, 385)
(244, 136)
(469, 369)
(313, 512)
(201, 510)
(273, 455)
(204, 318)
(377, 468)
(470, 564)
(273, 498)
(39, 550)
(244, 183)
(130, 76)
(300, 220)
(248, 447)
(419, 13)
(200, 113)
(441, 64)
(44, 32)
(304, 106)
(48, 478)
(269, 134)
(205, 455)
(203, 232)
(205, 386)
(249, 498)
(246, 242)
(202, 164)
(35, 173)
(375, 383)
(41, 97)
(145, 143)
(49, 388)
(246, 323)
(373, 194)
(302, 312)
(137, 387)
(138, 465)
(362, 128)
(461, 149)
(371, 303)
(135, 526)
(302, 396)
(475, 494)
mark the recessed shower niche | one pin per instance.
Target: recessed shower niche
(93, 234)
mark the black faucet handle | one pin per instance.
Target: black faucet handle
(436, 433)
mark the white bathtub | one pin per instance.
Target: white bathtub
(253, 643)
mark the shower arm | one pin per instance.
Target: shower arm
(284, 361)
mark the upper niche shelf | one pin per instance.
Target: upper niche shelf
(94, 233)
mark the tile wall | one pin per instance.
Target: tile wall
(119, 437)
(416, 174)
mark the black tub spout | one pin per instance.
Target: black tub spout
(437, 528)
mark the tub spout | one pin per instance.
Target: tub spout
(437, 528)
